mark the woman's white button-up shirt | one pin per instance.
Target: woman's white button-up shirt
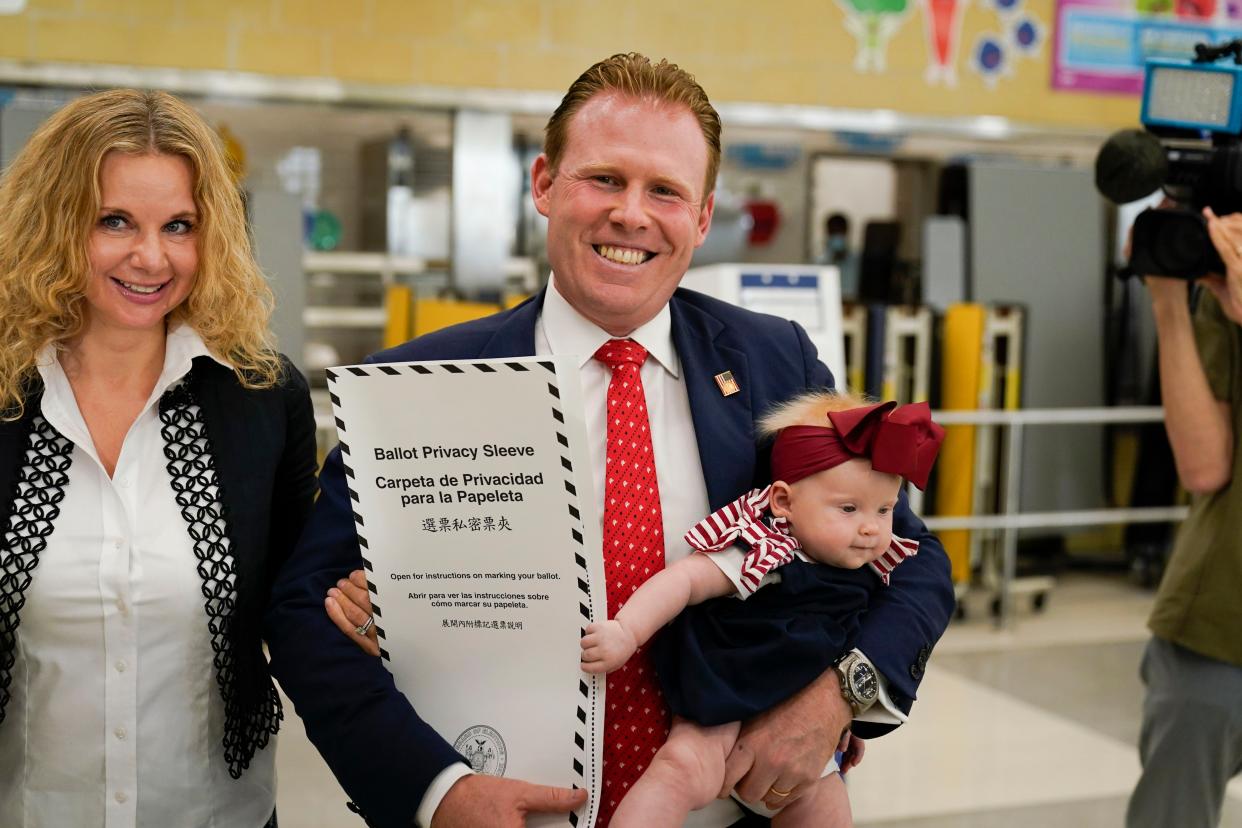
(116, 718)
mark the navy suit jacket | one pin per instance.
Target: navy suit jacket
(384, 755)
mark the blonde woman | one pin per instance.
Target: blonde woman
(157, 463)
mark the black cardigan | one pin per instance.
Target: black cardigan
(263, 447)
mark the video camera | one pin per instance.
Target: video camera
(1192, 149)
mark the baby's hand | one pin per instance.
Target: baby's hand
(851, 748)
(606, 646)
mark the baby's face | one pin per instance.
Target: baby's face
(841, 516)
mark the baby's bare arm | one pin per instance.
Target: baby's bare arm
(609, 644)
(691, 580)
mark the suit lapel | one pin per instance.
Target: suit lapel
(239, 433)
(516, 335)
(228, 445)
(723, 426)
(14, 439)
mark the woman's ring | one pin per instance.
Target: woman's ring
(778, 793)
(365, 628)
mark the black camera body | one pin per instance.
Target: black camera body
(1191, 148)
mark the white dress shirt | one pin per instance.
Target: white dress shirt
(561, 330)
(115, 717)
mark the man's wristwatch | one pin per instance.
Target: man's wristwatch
(859, 683)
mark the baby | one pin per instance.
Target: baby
(750, 631)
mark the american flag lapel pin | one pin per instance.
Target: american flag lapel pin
(727, 384)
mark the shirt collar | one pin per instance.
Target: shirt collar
(571, 333)
(181, 347)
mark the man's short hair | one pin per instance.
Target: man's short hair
(838, 224)
(637, 76)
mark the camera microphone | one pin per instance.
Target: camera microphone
(1131, 164)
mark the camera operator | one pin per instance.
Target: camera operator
(1191, 738)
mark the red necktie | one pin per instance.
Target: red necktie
(636, 720)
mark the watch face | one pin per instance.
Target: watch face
(863, 682)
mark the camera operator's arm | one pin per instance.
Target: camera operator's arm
(1198, 424)
(1226, 233)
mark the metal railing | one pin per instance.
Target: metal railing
(1011, 518)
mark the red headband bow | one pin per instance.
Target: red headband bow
(898, 440)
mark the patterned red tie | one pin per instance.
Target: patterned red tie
(636, 721)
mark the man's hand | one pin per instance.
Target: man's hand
(349, 606)
(1226, 233)
(606, 646)
(479, 801)
(786, 748)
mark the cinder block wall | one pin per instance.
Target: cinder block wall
(779, 51)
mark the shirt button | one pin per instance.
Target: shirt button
(121, 797)
(117, 545)
(122, 607)
(120, 666)
(120, 733)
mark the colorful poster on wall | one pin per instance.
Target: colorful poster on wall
(873, 24)
(1014, 33)
(942, 24)
(1017, 34)
(1100, 45)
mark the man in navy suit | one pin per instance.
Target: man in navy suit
(626, 183)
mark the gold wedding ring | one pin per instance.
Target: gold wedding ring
(779, 794)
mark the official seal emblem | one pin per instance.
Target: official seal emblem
(484, 749)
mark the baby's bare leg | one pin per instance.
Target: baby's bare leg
(825, 805)
(684, 775)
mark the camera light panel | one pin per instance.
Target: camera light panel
(1193, 96)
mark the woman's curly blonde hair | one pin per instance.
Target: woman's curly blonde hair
(49, 202)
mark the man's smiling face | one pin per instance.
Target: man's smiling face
(625, 207)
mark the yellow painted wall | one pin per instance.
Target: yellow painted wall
(779, 51)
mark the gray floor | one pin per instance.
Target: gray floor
(1085, 814)
(1077, 661)
(1096, 685)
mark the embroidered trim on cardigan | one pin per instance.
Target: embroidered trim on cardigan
(36, 504)
(39, 490)
(191, 466)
